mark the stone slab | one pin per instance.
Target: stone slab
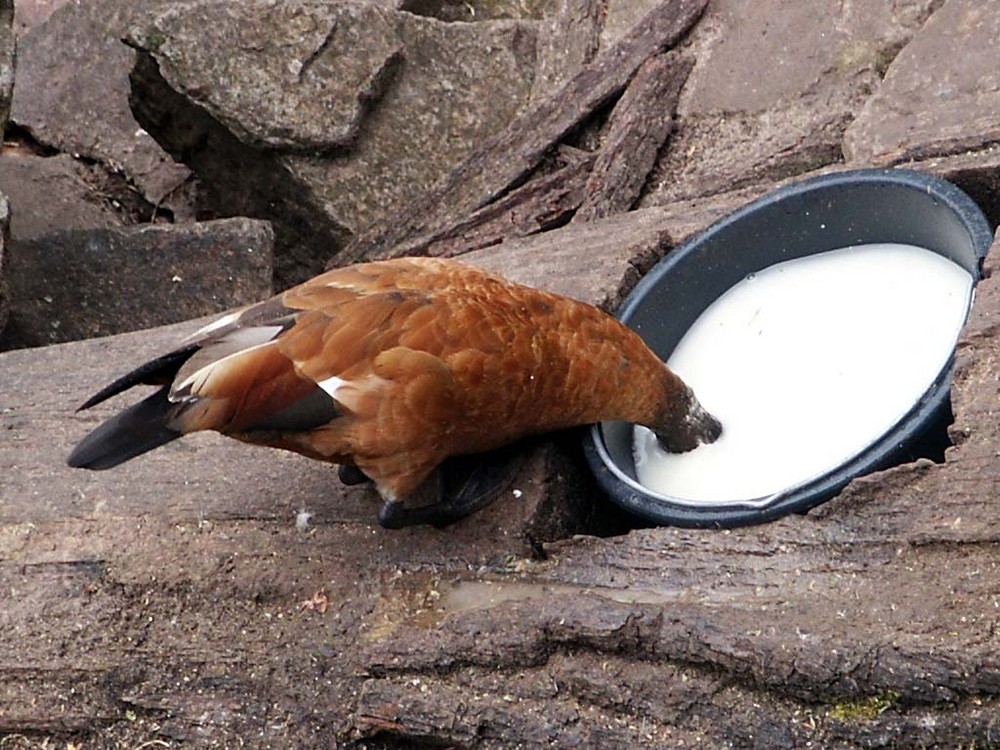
(52, 194)
(31, 13)
(341, 128)
(91, 282)
(776, 85)
(72, 94)
(940, 96)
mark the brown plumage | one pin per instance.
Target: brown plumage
(394, 366)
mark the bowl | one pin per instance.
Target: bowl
(824, 213)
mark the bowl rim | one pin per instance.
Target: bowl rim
(652, 506)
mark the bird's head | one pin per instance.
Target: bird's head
(684, 424)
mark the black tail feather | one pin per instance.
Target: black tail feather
(138, 429)
(159, 371)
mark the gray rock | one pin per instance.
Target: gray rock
(31, 13)
(72, 94)
(4, 242)
(977, 173)
(51, 194)
(940, 96)
(569, 39)
(93, 282)
(471, 11)
(287, 76)
(776, 85)
(8, 44)
(353, 116)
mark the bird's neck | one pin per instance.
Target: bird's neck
(609, 373)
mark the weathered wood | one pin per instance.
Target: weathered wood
(874, 616)
(166, 601)
(640, 124)
(543, 203)
(509, 158)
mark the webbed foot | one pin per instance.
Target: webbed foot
(350, 475)
(467, 484)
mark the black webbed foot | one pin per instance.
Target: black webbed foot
(395, 515)
(467, 484)
(350, 475)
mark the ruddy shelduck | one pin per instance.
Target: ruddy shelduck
(389, 368)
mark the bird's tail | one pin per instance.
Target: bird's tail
(140, 428)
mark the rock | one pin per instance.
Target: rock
(7, 45)
(361, 111)
(776, 85)
(31, 13)
(4, 262)
(7, 54)
(72, 95)
(977, 173)
(569, 39)
(93, 282)
(298, 77)
(941, 94)
(52, 194)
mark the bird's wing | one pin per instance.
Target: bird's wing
(274, 365)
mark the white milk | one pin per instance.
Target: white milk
(806, 364)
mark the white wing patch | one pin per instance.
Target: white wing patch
(215, 325)
(351, 394)
(332, 385)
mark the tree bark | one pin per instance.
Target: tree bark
(871, 621)
(640, 125)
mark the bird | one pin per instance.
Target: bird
(389, 368)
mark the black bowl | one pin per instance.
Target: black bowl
(812, 216)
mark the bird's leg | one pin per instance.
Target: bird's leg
(466, 484)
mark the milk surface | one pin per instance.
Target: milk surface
(806, 364)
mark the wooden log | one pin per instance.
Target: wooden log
(873, 616)
(544, 203)
(640, 124)
(176, 601)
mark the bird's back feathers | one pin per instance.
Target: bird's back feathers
(392, 366)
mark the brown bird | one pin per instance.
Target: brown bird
(389, 368)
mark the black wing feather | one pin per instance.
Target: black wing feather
(138, 429)
(160, 371)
